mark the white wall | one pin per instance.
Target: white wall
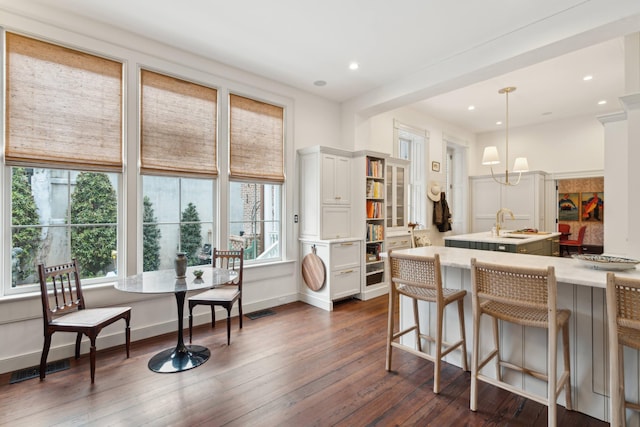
(311, 121)
(573, 145)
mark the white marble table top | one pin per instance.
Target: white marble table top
(567, 270)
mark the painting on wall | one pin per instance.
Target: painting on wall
(568, 207)
(593, 206)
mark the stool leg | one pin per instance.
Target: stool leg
(465, 367)
(473, 401)
(390, 325)
(622, 404)
(438, 355)
(567, 366)
(416, 321)
(552, 375)
(496, 345)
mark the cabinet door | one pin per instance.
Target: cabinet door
(485, 202)
(336, 222)
(336, 180)
(342, 181)
(396, 192)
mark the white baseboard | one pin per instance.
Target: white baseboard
(322, 303)
(107, 340)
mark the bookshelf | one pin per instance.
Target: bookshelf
(375, 220)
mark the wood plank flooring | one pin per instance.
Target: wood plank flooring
(300, 367)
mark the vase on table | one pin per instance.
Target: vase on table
(181, 265)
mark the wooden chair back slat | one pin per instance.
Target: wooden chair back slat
(66, 291)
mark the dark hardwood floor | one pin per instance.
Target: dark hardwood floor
(300, 367)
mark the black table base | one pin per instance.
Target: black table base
(178, 360)
(182, 357)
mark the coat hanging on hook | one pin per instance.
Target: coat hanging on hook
(441, 214)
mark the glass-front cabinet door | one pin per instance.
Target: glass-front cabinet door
(396, 186)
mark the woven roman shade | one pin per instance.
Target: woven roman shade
(178, 127)
(256, 137)
(63, 107)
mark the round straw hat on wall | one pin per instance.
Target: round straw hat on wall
(434, 192)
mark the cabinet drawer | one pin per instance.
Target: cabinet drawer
(345, 283)
(345, 255)
(533, 248)
(398, 242)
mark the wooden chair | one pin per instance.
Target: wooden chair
(420, 238)
(65, 311)
(225, 295)
(526, 297)
(566, 244)
(623, 315)
(420, 278)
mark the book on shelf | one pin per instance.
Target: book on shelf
(374, 189)
(374, 210)
(375, 232)
(373, 251)
(374, 168)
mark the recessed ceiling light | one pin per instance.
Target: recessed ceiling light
(587, 78)
(498, 122)
(320, 83)
(602, 102)
(471, 107)
(354, 65)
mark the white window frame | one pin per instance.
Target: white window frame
(418, 140)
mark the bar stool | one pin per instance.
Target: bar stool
(526, 297)
(420, 278)
(623, 316)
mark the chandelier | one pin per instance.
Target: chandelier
(490, 156)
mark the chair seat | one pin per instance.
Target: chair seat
(520, 315)
(629, 337)
(223, 293)
(426, 294)
(89, 317)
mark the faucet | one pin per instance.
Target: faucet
(500, 218)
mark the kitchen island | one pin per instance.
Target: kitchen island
(519, 241)
(580, 289)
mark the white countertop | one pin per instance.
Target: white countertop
(506, 237)
(567, 270)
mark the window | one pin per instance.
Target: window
(410, 146)
(178, 216)
(64, 149)
(57, 215)
(256, 167)
(178, 160)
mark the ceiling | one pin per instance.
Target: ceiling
(301, 42)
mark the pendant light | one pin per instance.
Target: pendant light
(490, 156)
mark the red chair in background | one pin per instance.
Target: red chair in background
(566, 244)
(565, 230)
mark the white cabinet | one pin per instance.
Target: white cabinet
(336, 179)
(325, 193)
(397, 178)
(526, 200)
(342, 260)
